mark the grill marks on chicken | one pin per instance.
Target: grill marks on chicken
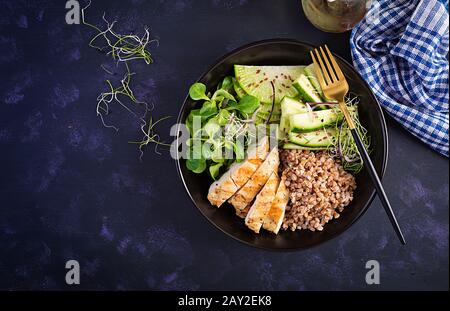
(238, 174)
(248, 192)
(254, 189)
(260, 208)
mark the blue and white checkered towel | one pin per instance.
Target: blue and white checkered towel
(400, 49)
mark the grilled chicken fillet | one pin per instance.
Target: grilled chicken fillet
(238, 174)
(274, 218)
(263, 202)
(248, 192)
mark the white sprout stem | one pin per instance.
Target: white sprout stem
(124, 48)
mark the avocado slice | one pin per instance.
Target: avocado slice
(292, 146)
(306, 89)
(321, 138)
(290, 106)
(310, 73)
(308, 122)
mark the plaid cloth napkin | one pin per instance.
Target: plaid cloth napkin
(400, 49)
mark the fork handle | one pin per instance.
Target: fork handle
(378, 186)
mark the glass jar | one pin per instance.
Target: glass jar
(335, 15)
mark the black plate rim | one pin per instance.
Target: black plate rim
(383, 130)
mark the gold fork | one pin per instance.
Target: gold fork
(335, 86)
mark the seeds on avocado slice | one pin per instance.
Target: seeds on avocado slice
(255, 80)
(311, 75)
(303, 122)
(306, 89)
(319, 138)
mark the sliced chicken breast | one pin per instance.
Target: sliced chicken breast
(263, 202)
(255, 157)
(275, 216)
(248, 192)
(223, 188)
(238, 174)
(243, 212)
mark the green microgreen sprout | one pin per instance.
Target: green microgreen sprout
(150, 136)
(226, 119)
(344, 146)
(105, 98)
(123, 49)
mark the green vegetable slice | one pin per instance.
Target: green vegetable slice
(255, 80)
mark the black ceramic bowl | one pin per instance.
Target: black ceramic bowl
(288, 52)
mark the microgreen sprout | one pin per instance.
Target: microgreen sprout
(227, 127)
(150, 136)
(345, 147)
(106, 98)
(123, 49)
(273, 102)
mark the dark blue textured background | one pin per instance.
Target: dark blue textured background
(71, 189)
